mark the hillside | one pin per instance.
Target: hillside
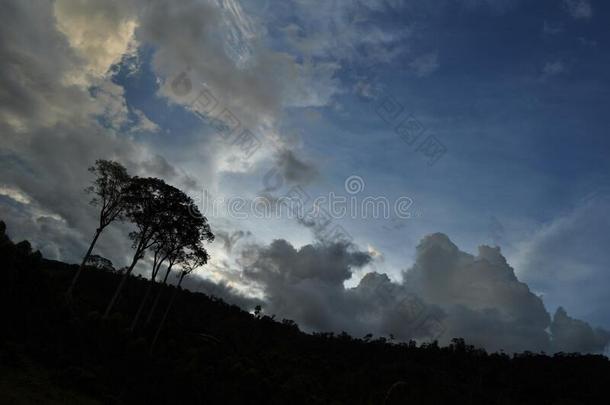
(212, 352)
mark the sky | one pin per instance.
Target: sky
(416, 169)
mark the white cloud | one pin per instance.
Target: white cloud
(100, 31)
(143, 123)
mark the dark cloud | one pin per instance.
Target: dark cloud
(447, 293)
(305, 284)
(230, 239)
(295, 170)
(573, 335)
(220, 290)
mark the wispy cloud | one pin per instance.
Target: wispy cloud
(579, 9)
(553, 68)
(425, 65)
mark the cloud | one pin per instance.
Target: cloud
(553, 68)
(579, 9)
(305, 284)
(143, 123)
(566, 261)
(100, 32)
(425, 65)
(481, 295)
(54, 128)
(295, 170)
(446, 293)
(551, 28)
(230, 239)
(573, 335)
(220, 290)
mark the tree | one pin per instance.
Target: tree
(198, 231)
(195, 257)
(181, 230)
(158, 259)
(158, 210)
(148, 204)
(108, 188)
(172, 259)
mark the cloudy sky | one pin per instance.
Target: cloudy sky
(464, 144)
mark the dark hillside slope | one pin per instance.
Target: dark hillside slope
(212, 352)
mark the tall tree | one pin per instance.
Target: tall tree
(159, 211)
(195, 257)
(182, 229)
(109, 189)
(172, 259)
(194, 233)
(148, 204)
(158, 259)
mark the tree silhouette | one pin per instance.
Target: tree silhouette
(148, 204)
(195, 257)
(109, 188)
(184, 227)
(198, 230)
(172, 259)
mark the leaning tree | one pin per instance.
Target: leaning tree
(155, 208)
(147, 205)
(197, 231)
(184, 227)
(194, 257)
(109, 188)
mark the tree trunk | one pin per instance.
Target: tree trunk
(98, 231)
(158, 297)
(143, 303)
(169, 306)
(136, 257)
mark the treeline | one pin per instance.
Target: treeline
(166, 223)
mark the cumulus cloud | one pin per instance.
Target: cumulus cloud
(100, 32)
(305, 284)
(573, 335)
(483, 298)
(446, 293)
